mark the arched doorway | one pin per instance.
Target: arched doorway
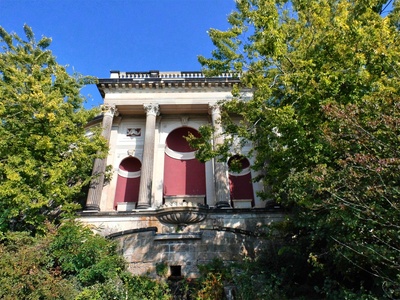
(128, 181)
(184, 175)
(240, 183)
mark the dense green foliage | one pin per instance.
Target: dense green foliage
(69, 262)
(245, 280)
(45, 157)
(324, 122)
(27, 271)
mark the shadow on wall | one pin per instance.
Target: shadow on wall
(144, 249)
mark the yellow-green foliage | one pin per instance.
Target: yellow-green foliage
(45, 157)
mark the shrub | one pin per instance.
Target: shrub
(69, 262)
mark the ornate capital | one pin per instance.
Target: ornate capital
(109, 110)
(152, 109)
(214, 109)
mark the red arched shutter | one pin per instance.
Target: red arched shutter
(128, 181)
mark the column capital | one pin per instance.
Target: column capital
(214, 108)
(152, 109)
(109, 110)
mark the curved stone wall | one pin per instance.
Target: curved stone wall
(229, 237)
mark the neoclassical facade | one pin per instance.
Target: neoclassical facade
(160, 197)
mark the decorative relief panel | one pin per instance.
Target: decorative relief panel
(133, 132)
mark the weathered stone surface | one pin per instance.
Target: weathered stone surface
(223, 234)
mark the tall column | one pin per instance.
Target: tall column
(99, 167)
(221, 180)
(146, 179)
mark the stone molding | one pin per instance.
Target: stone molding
(127, 174)
(178, 236)
(180, 155)
(243, 172)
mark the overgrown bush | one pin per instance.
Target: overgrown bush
(211, 287)
(69, 262)
(27, 270)
(143, 288)
(128, 287)
(78, 252)
(249, 279)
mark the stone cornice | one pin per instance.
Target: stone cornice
(136, 81)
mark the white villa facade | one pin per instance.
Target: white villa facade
(162, 205)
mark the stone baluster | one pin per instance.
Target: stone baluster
(221, 180)
(146, 178)
(99, 167)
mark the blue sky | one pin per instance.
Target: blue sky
(96, 36)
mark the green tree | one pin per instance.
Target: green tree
(45, 157)
(355, 199)
(323, 121)
(69, 262)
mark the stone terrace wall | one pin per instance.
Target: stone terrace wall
(143, 250)
(226, 236)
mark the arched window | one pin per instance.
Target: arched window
(240, 183)
(128, 181)
(183, 173)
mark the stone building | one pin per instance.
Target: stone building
(162, 205)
